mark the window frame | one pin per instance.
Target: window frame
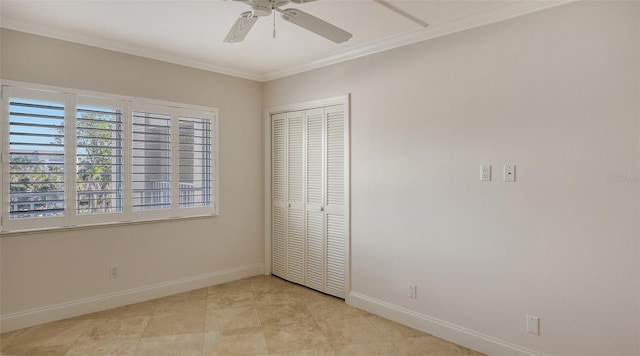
(127, 105)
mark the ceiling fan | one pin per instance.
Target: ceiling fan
(263, 8)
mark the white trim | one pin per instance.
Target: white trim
(440, 328)
(267, 191)
(306, 105)
(347, 195)
(74, 308)
(513, 9)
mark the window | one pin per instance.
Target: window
(82, 158)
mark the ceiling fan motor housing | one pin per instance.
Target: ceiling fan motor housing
(261, 7)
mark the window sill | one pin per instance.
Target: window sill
(100, 225)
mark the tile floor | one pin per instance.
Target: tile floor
(261, 315)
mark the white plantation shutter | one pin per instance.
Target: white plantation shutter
(36, 159)
(196, 165)
(315, 242)
(279, 194)
(295, 194)
(99, 160)
(151, 161)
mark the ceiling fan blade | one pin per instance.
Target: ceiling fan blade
(316, 25)
(406, 15)
(243, 25)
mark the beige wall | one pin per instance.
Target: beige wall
(45, 269)
(557, 94)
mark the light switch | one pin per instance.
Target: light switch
(533, 325)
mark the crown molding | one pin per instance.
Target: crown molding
(119, 46)
(502, 13)
(514, 9)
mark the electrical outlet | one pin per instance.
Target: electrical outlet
(533, 325)
(115, 272)
(411, 292)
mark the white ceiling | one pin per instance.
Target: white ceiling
(192, 32)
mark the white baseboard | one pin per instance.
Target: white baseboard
(74, 308)
(439, 328)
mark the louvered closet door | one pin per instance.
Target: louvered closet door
(315, 172)
(309, 222)
(279, 194)
(295, 195)
(336, 229)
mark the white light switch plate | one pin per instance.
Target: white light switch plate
(485, 173)
(533, 325)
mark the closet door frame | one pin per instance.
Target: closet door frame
(308, 105)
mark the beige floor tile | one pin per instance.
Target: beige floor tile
(314, 352)
(198, 295)
(119, 327)
(231, 287)
(313, 296)
(238, 298)
(357, 330)
(232, 318)
(212, 321)
(182, 303)
(121, 346)
(6, 338)
(333, 309)
(52, 336)
(284, 314)
(277, 297)
(430, 345)
(127, 311)
(393, 329)
(176, 323)
(184, 307)
(366, 349)
(273, 285)
(295, 337)
(53, 350)
(236, 342)
(171, 345)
